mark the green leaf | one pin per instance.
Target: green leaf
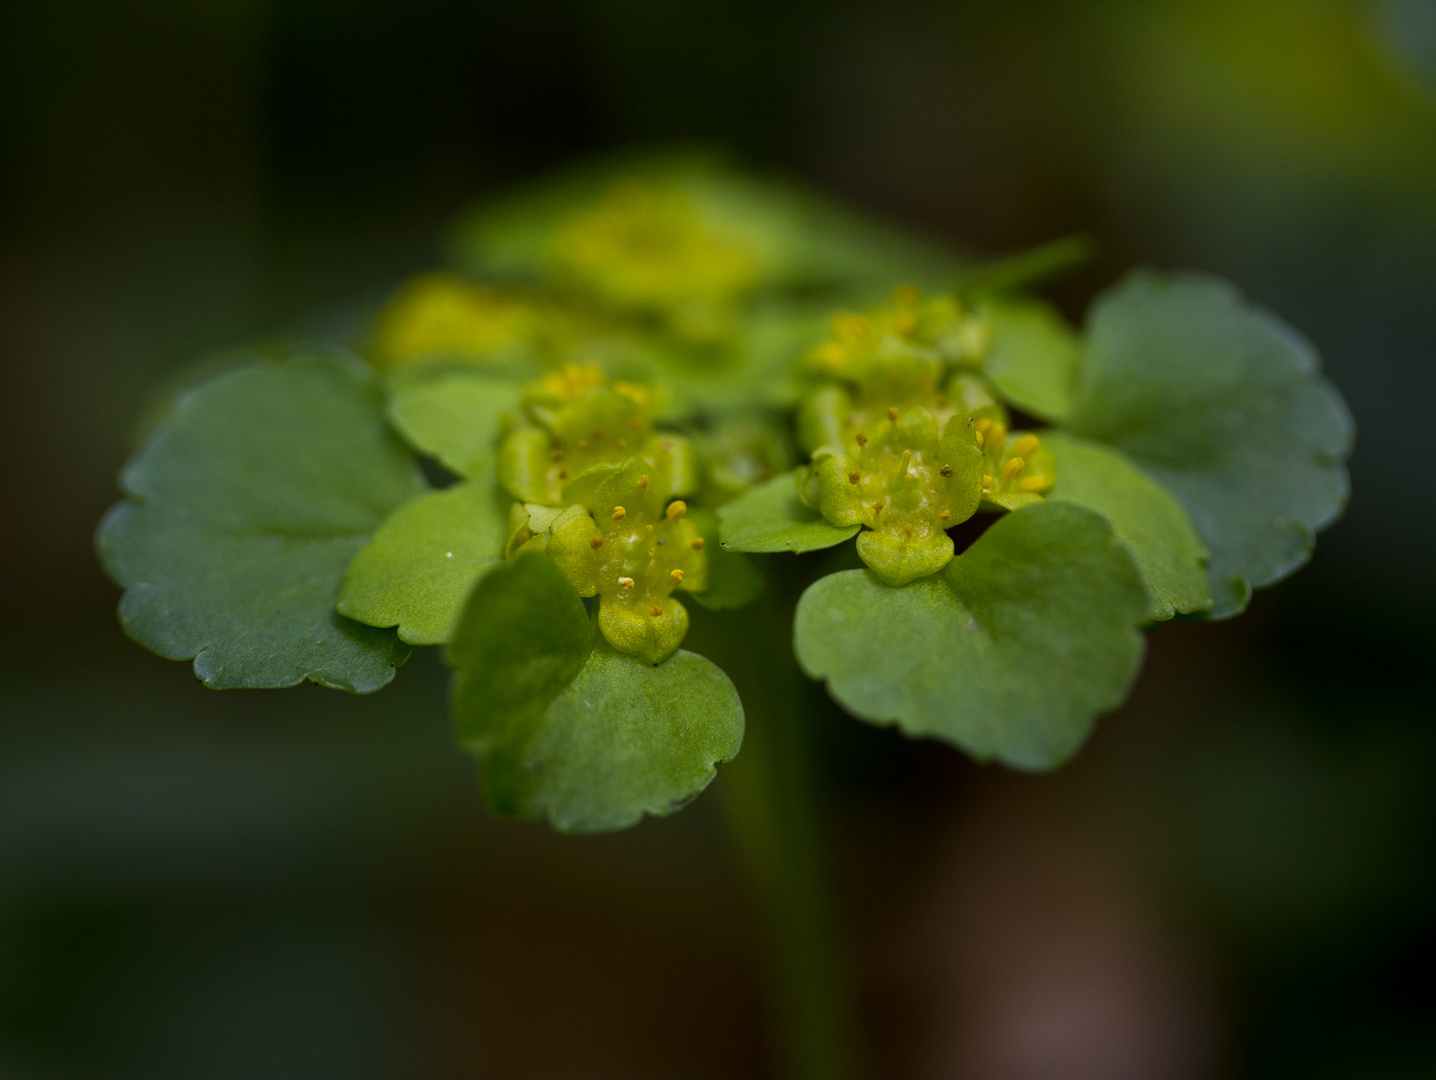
(569, 728)
(456, 417)
(244, 509)
(770, 517)
(1009, 653)
(733, 580)
(1164, 542)
(422, 563)
(1224, 404)
(1032, 357)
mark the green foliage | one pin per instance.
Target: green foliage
(654, 332)
(424, 560)
(455, 417)
(1008, 654)
(1224, 405)
(771, 517)
(568, 728)
(1168, 551)
(243, 511)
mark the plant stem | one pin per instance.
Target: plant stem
(770, 797)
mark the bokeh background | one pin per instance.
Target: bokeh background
(1235, 878)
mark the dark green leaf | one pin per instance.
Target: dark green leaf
(1009, 653)
(1165, 543)
(770, 517)
(455, 417)
(1224, 404)
(422, 563)
(571, 729)
(1032, 358)
(244, 510)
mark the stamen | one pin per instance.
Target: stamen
(862, 439)
(981, 440)
(619, 513)
(655, 611)
(1035, 482)
(676, 509)
(595, 542)
(677, 576)
(1024, 446)
(945, 515)
(697, 545)
(877, 508)
(854, 476)
(892, 412)
(643, 481)
(1013, 468)
(625, 583)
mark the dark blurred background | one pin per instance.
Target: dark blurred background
(1235, 878)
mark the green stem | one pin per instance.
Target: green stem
(769, 794)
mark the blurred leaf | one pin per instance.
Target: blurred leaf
(455, 417)
(733, 581)
(1032, 358)
(799, 238)
(1165, 543)
(569, 728)
(244, 509)
(1009, 653)
(770, 517)
(1224, 404)
(424, 560)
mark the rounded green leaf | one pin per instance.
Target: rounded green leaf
(1224, 404)
(244, 509)
(1009, 653)
(1032, 356)
(418, 570)
(456, 417)
(1164, 542)
(770, 517)
(571, 729)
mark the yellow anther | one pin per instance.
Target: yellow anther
(619, 513)
(854, 476)
(676, 509)
(862, 439)
(1024, 446)
(877, 508)
(1013, 468)
(983, 425)
(945, 515)
(946, 470)
(677, 576)
(595, 542)
(643, 481)
(1035, 482)
(981, 439)
(986, 481)
(997, 433)
(697, 545)
(892, 412)
(655, 611)
(625, 583)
